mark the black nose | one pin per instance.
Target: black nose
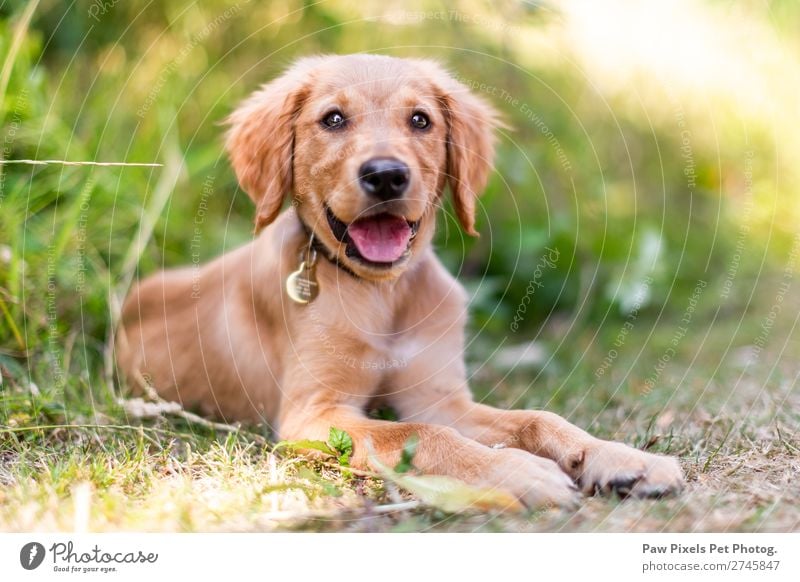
(384, 178)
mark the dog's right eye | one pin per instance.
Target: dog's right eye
(333, 120)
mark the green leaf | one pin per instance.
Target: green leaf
(342, 443)
(407, 456)
(339, 445)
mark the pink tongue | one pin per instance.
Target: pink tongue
(381, 239)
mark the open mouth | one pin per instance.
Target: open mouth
(380, 240)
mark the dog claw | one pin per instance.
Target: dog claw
(623, 486)
(614, 468)
(657, 493)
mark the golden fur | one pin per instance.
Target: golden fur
(228, 340)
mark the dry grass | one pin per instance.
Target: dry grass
(741, 461)
(750, 486)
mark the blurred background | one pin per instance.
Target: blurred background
(641, 222)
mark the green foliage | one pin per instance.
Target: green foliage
(148, 84)
(406, 462)
(342, 443)
(339, 446)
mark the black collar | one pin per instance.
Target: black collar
(318, 246)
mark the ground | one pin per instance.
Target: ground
(732, 421)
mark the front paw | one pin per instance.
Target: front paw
(536, 482)
(614, 467)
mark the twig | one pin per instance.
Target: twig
(393, 507)
(175, 409)
(81, 163)
(123, 427)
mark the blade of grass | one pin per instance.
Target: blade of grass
(19, 35)
(173, 168)
(70, 219)
(11, 324)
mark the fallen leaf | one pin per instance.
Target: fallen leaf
(447, 493)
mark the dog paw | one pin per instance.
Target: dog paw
(609, 467)
(537, 482)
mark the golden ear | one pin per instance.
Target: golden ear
(470, 152)
(470, 143)
(260, 141)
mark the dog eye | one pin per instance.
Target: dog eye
(333, 120)
(420, 120)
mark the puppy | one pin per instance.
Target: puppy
(340, 304)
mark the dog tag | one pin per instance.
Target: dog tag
(302, 286)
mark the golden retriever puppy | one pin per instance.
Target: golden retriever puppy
(340, 304)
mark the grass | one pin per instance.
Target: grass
(99, 468)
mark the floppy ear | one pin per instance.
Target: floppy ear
(261, 139)
(470, 147)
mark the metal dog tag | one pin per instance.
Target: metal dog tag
(301, 285)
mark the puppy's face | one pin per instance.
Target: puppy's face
(367, 144)
(369, 161)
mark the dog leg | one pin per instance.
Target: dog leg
(595, 465)
(534, 481)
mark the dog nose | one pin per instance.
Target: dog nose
(384, 178)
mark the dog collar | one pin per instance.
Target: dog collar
(317, 245)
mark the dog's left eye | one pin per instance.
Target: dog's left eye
(420, 120)
(333, 120)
